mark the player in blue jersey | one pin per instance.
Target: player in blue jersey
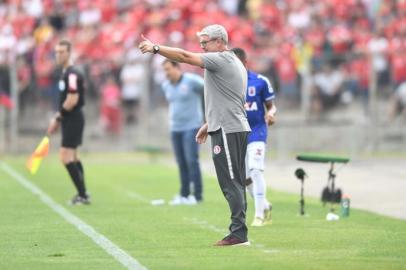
(261, 114)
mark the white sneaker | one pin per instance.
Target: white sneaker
(191, 200)
(178, 200)
(258, 222)
(332, 217)
(268, 215)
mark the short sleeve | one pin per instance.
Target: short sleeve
(267, 90)
(73, 83)
(212, 61)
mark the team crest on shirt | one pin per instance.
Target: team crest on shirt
(251, 91)
(61, 85)
(216, 149)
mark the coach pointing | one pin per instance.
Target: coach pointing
(225, 81)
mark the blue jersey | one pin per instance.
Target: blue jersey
(259, 91)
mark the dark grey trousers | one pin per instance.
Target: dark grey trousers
(228, 152)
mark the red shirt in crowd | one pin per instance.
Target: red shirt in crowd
(398, 68)
(360, 68)
(285, 66)
(340, 37)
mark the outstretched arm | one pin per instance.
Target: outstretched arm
(174, 54)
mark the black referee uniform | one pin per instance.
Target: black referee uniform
(73, 122)
(72, 125)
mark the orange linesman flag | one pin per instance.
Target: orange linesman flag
(40, 152)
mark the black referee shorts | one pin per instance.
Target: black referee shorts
(72, 129)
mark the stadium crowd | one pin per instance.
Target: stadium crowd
(335, 43)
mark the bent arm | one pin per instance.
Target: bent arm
(71, 101)
(270, 113)
(269, 105)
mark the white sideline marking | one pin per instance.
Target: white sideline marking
(137, 196)
(120, 255)
(142, 199)
(205, 225)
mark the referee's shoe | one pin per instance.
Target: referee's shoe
(78, 200)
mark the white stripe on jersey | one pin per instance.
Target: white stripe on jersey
(268, 83)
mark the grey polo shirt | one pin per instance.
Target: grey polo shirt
(225, 82)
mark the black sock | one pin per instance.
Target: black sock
(75, 175)
(79, 164)
(82, 174)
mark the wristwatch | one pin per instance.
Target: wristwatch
(155, 49)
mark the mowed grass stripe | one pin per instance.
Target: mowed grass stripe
(120, 255)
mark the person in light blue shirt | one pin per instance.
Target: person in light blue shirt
(184, 93)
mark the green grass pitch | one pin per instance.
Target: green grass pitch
(33, 236)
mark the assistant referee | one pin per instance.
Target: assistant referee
(71, 119)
